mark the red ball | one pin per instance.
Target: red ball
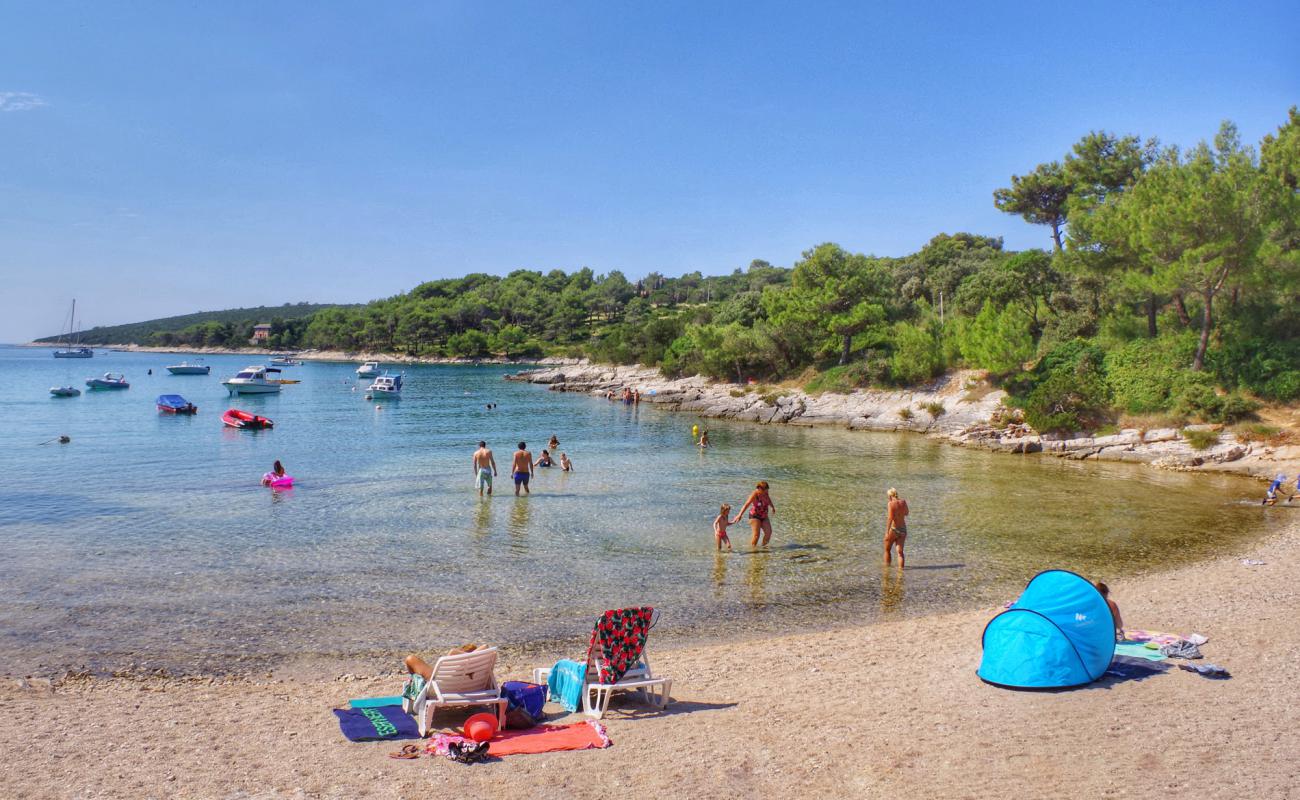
(481, 727)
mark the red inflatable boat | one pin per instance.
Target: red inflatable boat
(244, 420)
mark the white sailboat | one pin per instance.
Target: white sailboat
(72, 349)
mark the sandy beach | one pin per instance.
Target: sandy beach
(887, 710)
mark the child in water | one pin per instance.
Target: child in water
(276, 473)
(720, 524)
(1273, 488)
(565, 463)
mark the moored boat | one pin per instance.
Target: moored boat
(370, 369)
(175, 404)
(253, 380)
(285, 360)
(197, 367)
(65, 391)
(385, 386)
(236, 418)
(73, 349)
(109, 381)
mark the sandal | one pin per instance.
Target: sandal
(407, 751)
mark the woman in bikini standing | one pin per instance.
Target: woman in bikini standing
(895, 526)
(760, 507)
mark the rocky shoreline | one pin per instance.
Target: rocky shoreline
(958, 408)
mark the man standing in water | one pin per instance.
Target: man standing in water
(895, 526)
(485, 467)
(522, 468)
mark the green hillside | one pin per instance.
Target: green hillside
(238, 321)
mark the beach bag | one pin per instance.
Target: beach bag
(524, 703)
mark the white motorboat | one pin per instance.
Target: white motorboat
(65, 391)
(285, 360)
(109, 381)
(197, 367)
(253, 380)
(370, 369)
(72, 349)
(385, 386)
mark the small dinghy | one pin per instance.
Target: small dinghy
(175, 404)
(64, 391)
(245, 421)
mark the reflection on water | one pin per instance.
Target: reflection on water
(891, 588)
(148, 539)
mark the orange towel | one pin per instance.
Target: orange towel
(549, 738)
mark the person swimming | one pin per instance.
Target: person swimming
(276, 473)
(544, 460)
(565, 463)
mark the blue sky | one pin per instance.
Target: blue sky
(170, 157)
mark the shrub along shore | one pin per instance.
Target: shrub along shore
(960, 408)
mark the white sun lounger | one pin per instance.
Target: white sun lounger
(465, 679)
(639, 679)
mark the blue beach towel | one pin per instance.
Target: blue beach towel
(374, 702)
(382, 722)
(565, 683)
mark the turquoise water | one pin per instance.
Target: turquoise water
(147, 539)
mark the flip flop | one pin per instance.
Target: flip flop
(407, 751)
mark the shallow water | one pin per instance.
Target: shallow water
(147, 540)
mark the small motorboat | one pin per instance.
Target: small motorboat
(235, 418)
(175, 404)
(370, 369)
(109, 381)
(385, 386)
(285, 360)
(197, 367)
(253, 380)
(65, 391)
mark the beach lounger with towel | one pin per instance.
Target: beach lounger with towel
(616, 662)
(465, 679)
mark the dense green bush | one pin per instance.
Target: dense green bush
(1143, 373)
(917, 354)
(1195, 397)
(1066, 391)
(998, 340)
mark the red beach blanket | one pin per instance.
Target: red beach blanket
(617, 641)
(588, 735)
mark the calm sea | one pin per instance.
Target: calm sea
(148, 541)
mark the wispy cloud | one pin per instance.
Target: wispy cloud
(20, 101)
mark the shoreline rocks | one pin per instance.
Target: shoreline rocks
(958, 408)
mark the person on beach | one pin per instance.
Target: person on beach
(565, 463)
(276, 473)
(720, 524)
(760, 508)
(895, 526)
(1270, 498)
(418, 666)
(554, 443)
(485, 468)
(545, 459)
(521, 469)
(1114, 609)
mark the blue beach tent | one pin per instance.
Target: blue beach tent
(1059, 633)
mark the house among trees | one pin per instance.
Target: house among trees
(260, 333)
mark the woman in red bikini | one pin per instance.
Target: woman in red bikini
(760, 507)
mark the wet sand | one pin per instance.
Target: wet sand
(888, 710)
